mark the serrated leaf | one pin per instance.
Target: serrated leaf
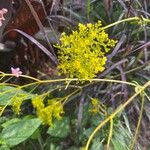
(19, 131)
(60, 128)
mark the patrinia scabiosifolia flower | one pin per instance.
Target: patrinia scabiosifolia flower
(82, 54)
(47, 114)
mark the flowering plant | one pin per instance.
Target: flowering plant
(16, 71)
(82, 53)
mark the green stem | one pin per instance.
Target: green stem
(121, 21)
(138, 125)
(110, 133)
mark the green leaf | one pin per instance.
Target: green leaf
(8, 92)
(35, 135)
(4, 147)
(60, 129)
(95, 120)
(54, 147)
(73, 148)
(97, 145)
(88, 132)
(19, 131)
(118, 145)
(3, 119)
(9, 122)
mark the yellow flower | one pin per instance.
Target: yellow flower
(38, 102)
(95, 102)
(53, 110)
(97, 107)
(45, 115)
(82, 54)
(16, 102)
(58, 110)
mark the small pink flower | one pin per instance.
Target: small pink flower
(2, 12)
(16, 71)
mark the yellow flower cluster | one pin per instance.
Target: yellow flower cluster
(54, 109)
(97, 107)
(82, 53)
(16, 102)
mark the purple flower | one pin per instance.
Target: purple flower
(16, 71)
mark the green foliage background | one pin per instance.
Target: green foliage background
(99, 92)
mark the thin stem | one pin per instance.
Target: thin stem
(40, 143)
(138, 125)
(110, 133)
(121, 21)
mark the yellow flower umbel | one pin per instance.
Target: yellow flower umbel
(53, 110)
(82, 53)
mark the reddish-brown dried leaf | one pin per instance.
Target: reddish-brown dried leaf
(24, 19)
